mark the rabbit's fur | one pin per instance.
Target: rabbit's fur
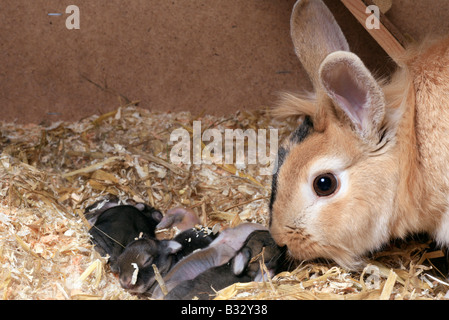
(386, 142)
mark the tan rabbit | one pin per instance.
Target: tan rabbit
(370, 160)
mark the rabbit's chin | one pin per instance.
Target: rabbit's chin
(341, 257)
(304, 249)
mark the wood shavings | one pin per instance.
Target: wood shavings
(91, 168)
(49, 175)
(388, 286)
(159, 279)
(95, 266)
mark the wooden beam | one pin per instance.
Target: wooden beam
(387, 35)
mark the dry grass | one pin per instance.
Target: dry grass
(49, 175)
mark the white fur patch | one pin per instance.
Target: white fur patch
(135, 273)
(442, 232)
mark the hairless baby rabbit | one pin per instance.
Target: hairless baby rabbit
(241, 268)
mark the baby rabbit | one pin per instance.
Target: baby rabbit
(220, 251)
(241, 268)
(181, 218)
(135, 264)
(370, 160)
(118, 225)
(193, 239)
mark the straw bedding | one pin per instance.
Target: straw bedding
(50, 174)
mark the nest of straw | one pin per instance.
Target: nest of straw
(50, 174)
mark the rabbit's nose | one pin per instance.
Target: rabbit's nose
(126, 282)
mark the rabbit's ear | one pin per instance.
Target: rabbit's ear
(241, 261)
(315, 34)
(354, 90)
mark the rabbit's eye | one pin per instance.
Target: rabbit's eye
(325, 184)
(148, 261)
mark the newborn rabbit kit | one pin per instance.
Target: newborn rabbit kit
(347, 184)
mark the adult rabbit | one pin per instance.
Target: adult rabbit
(370, 160)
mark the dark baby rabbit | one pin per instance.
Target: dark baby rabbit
(241, 268)
(117, 226)
(136, 272)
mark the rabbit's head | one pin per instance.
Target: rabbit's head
(336, 177)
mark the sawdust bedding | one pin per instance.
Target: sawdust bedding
(50, 174)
